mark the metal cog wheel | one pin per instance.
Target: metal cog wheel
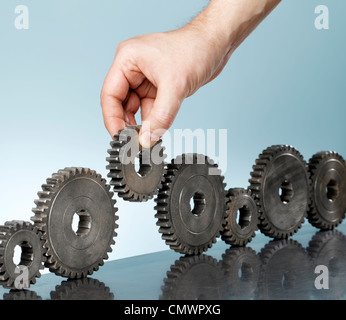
(281, 185)
(15, 294)
(328, 248)
(194, 278)
(286, 271)
(242, 267)
(191, 204)
(132, 184)
(24, 235)
(82, 289)
(328, 194)
(76, 196)
(242, 217)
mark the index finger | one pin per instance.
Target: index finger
(113, 94)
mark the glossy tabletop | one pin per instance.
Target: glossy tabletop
(310, 265)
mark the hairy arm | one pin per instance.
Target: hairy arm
(156, 72)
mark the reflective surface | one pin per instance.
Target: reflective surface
(265, 269)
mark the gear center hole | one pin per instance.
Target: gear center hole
(197, 203)
(81, 223)
(23, 254)
(142, 163)
(332, 190)
(286, 192)
(243, 217)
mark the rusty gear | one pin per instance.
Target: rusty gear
(194, 278)
(70, 194)
(286, 271)
(82, 289)
(126, 181)
(24, 235)
(281, 185)
(328, 193)
(188, 183)
(242, 267)
(242, 217)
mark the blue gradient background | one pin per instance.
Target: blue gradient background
(284, 85)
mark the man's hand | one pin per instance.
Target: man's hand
(158, 71)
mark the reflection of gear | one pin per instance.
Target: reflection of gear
(188, 183)
(286, 271)
(242, 217)
(194, 278)
(241, 267)
(70, 194)
(328, 174)
(328, 248)
(129, 184)
(21, 295)
(82, 289)
(281, 185)
(24, 235)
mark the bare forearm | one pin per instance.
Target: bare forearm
(229, 22)
(156, 72)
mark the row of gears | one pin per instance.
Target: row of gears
(194, 208)
(75, 217)
(72, 232)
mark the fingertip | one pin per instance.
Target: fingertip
(144, 139)
(113, 127)
(147, 139)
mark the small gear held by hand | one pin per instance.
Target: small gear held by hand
(128, 181)
(191, 204)
(328, 193)
(20, 234)
(76, 213)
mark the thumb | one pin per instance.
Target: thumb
(160, 117)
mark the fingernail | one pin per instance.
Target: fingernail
(147, 139)
(127, 119)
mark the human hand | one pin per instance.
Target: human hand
(158, 71)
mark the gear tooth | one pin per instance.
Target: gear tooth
(54, 179)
